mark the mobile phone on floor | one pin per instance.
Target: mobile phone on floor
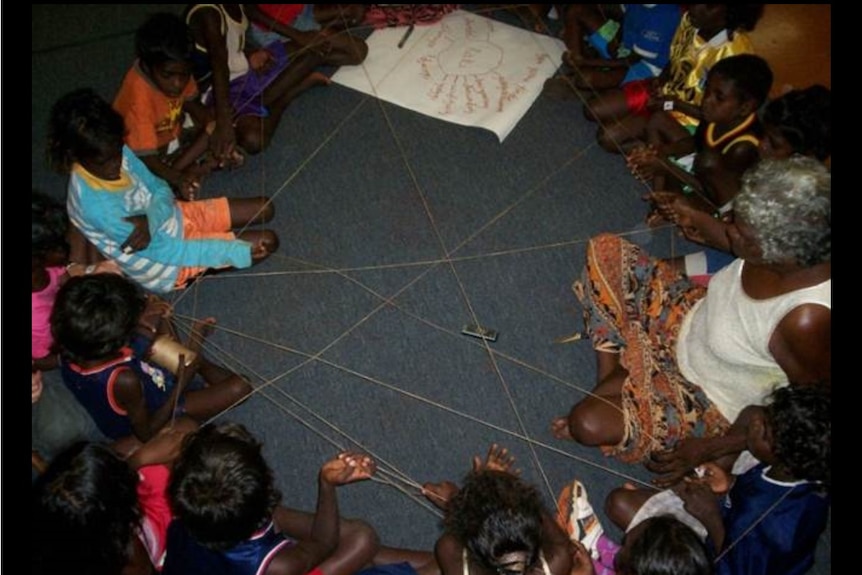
(474, 330)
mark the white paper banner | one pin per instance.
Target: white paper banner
(466, 69)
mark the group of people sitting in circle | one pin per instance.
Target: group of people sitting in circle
(713, 369)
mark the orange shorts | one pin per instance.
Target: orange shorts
(204, 219)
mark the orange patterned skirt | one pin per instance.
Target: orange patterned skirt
(634, 305)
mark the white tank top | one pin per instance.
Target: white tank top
(234, 33)
(723, 344)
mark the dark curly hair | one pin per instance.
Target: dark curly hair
(804, 118)
(164, 37)
(82, 125)
(50, 224)
(94, 316)
(496, 513)
(663, 545)
(221, 487)
(743, 16)
(86, 507)
(750, 74)
(801, 421)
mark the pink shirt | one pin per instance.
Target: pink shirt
(43, 303)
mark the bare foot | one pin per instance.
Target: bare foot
(560, 428)
(201, 329)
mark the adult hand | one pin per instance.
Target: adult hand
(139, 239)
(682, 211)
(440, 493)
(347, 467)
(673, 464)
(497, 459)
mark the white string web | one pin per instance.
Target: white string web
(388, 472)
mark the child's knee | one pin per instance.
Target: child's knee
(239, 388)
(268, 211)
(616, 507)
(606, 141)
(270, 240)
(359, 50)
(587, 425)
(251, 141)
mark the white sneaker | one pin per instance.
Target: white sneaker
(580, 521)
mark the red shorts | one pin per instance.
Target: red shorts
(637, 96)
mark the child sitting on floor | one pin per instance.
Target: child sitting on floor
(310, 26)
(496, 523)
(632, 45)
(248, 93)
(132, 217)
(725, 144)
(798, 122)
(100, 514)
(157, 93)
(50, 269)
(105, 328)
(706, 34)
(778, 500)
(228, 518)
(659, 545)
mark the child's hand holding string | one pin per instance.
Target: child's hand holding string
(155, 311)
(643, 162)
(497, 459)
(698, 499)
(347, 467)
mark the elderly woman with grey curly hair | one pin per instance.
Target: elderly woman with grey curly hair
(678, 362)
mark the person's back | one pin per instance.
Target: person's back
(87, 510)
(228, 520)
(662, 545)
(497, 523)
(95, 321)
(777, 510)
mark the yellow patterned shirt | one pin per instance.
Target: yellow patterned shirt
(691, 57)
